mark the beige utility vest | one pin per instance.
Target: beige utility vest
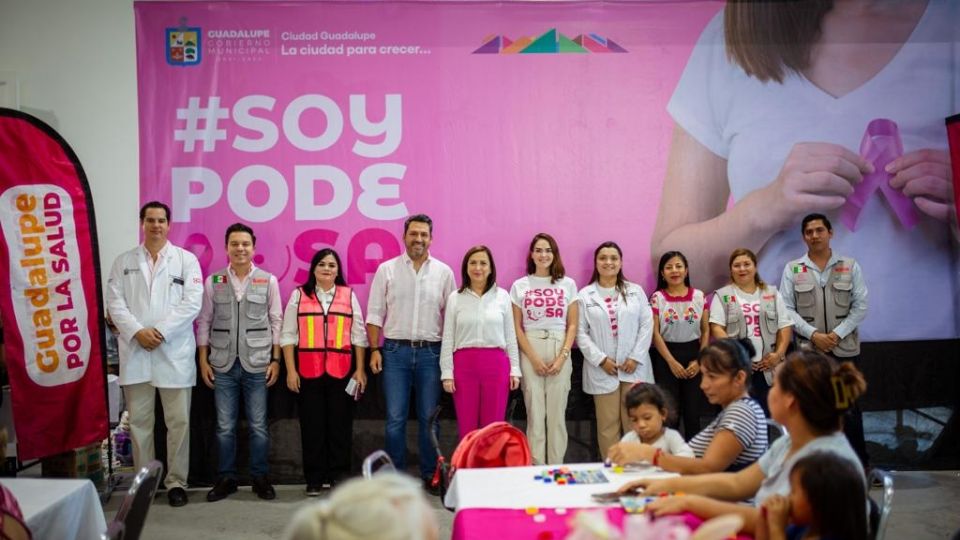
(737, 325)
(241, 329)
(826, 307)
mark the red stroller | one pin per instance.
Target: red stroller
(496, 445)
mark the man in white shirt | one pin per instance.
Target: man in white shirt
(238, 339)
(153, 296)
(406, 303)
(825, 295)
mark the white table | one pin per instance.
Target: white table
(59, 509)
(515, 487)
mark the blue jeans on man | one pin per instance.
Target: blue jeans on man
(227, 389)
(405, 367)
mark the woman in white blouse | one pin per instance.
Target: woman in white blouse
(322, 329)
(479, 363)
(616, 326)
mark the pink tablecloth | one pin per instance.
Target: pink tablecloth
(507, 524)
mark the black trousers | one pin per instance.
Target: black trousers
(326, 428)
(690, 409)
(853, 421)
(759, 388)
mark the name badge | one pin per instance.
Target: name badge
(177, 280)
(130, 270)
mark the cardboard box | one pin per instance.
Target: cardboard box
(79, 463)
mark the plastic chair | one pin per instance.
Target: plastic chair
(378, 461)
(115, 531)
(136, 503)
(878, 521)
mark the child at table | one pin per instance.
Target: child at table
(646, 406)
(827, 501)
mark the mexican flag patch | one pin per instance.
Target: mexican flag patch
(799, 269)
(219, 279)
(727, 298)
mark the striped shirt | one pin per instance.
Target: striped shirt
(744, 418)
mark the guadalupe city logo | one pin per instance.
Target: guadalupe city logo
(550, 42)
(183, 46)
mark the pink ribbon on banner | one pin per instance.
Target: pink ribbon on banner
(881, 144)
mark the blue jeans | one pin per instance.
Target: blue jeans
(406, 367)
(227, 388)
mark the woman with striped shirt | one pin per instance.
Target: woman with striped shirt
(735, 438)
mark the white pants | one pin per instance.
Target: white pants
(546, 399)
(140, 400)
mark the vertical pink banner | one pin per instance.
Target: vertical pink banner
(52, 310)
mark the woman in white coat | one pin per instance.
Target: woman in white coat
(616, 326)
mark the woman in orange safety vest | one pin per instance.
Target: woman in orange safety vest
(322, 329)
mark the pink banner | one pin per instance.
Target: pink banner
(327, 124)
(52, 310)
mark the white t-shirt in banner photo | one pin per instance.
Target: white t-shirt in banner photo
(750, 303)
(544, 304)
(733, 115)
(679, 316)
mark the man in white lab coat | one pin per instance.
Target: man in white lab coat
(154, 294)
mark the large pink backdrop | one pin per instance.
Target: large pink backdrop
(326, 124)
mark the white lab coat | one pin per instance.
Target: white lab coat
(170, 307)
(596, 342)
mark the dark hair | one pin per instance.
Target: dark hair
(556, 267)
(814, 217)
(309, 287)
(728, 356)
(661, 281)
(643, 393)
(239, 228)
(824, 390)
(768, 39)
(465, 276)
(419, 218)
(740, 252)
(154, 204)
(835, 492)
(621, 281)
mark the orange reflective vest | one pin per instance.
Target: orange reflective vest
(324, 345)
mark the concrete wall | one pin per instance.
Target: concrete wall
(75, 62)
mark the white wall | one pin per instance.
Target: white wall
(76, 64)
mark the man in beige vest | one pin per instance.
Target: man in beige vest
(826, 296)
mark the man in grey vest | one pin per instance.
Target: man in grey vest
(238, 335)
(825, 295)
